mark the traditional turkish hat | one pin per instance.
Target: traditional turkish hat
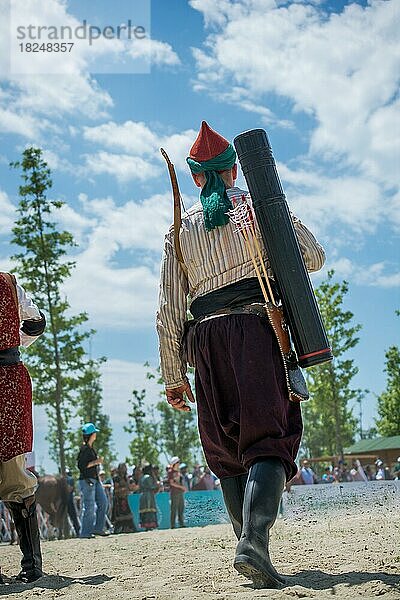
(211, 153)
(208, 144)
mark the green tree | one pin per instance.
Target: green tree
(388, 423)
(56, 359)
(144, 446)
(160, 429)
(178, 432)
(89, 410)
(329, 424)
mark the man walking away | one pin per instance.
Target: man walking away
(249, 428)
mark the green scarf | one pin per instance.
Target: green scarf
(213, 196)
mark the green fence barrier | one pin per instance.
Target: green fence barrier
(201, 508)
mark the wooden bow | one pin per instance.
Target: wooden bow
(177, 208)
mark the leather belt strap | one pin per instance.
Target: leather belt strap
(256, 308)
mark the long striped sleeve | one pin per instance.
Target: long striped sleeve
(312, 251)
(171, 315)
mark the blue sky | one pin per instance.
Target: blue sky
(320, 76)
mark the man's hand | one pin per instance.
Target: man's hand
(175, 397)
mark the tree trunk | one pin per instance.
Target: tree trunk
(60, 425)
(58, 394)
(336, 400)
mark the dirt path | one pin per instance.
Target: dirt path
(345, 556)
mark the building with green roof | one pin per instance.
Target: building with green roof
(385, 448)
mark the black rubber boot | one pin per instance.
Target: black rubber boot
(261, 503)
(233, 492)
(25, 519)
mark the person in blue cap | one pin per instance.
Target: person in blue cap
(92, 492)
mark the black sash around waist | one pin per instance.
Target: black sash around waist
(233, 295)
(10, 356)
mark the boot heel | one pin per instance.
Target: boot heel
(260, 578)
(261, 502)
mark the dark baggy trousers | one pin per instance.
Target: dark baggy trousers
(243, 405)
(177, 508)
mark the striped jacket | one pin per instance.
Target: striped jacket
(213, 259)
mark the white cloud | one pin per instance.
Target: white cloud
(57, 95)
(118, 296)
(21, 123)
(56, 159)
(132, 137)
(322, 201)
(134, 225)
(373, 275)
(343, 267)
(119, 378)
(67, 89)
(342, 69)
(115, 298)
(394, 210)
(76, 223)
(7, 213)
(50, 94)
(177, 146)
(157, 52)
(140, 144)
(121, 166)
(118, 258)
(376, 275)
(218, 13)
(135, 137)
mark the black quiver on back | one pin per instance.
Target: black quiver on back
(273, 217)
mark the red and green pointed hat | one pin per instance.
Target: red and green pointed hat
(210, 154)
(208, 144)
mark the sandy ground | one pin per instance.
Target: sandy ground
(345, 556)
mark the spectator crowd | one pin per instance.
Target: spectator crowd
(343, 473)
(98, 503)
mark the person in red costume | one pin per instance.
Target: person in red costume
(21, 322)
